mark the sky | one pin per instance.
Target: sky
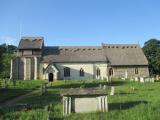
(80, 22)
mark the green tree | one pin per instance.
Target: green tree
(152, 51)
(6, 54)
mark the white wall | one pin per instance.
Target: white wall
(89, 70)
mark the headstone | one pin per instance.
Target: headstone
(104, 87)
(152, 80)
(110, 79)
(142, 80)
(136, 79)
(107, 78)
(126, 75)
(131, 79)
(43, 88)
(112, 90)
(157, 77)
(100, 86)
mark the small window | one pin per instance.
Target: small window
(81, 73)
(136, 70)
(66, 72)
(98, 72)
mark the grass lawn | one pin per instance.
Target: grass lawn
(20, 88)
(140, 103)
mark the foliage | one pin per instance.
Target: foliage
(6, 54)
(152, 51)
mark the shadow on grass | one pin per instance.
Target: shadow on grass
(124, 106)
(78, 85)
(34, 102)
(117, 83)
(88, 85)
(9, 93)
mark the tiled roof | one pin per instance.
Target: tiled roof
(124, 54)
(31, 43)
(73, 54)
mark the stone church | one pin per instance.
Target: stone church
(34, 60)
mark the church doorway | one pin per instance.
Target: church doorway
(50, 77)
(111, 72)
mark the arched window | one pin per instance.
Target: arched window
(66, 72)
(98, 72)
(110, 71)
(81, 72)
(136, 70)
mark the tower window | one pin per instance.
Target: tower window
(136, 71)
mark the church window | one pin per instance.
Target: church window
(81, 72)
(66, 72)
(98, 72)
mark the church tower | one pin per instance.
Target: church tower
(29, 52)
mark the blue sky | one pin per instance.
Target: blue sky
(80, 22)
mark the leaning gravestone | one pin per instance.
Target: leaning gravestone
(84, 100)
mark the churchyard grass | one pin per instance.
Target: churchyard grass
(10, 89)
(132, 101)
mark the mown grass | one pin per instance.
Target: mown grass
(132, 101)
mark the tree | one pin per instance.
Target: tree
(6, 54)
(152, 51)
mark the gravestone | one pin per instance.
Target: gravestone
(157, 77)
(43, 88)
(112, 90)
(136, 79)
(142, 80)
(147, 79)
(84, 100)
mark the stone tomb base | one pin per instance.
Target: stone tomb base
(84, 100)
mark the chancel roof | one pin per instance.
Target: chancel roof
(124, 54)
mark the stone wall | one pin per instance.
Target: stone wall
(129, 71)
(23, 68)
(17, 68)
(26, 68)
